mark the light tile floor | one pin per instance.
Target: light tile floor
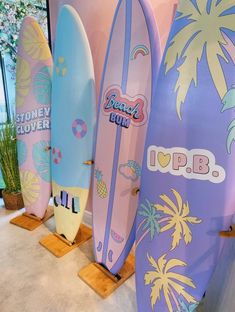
(33, 280)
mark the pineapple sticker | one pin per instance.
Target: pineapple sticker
(100, 185)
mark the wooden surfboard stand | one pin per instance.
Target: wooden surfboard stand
(60, 246)
(102, 281)
(30, 222)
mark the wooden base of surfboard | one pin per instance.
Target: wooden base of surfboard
(59, 246)
(30, 222)
(102, 281)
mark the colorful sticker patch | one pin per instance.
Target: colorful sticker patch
(79, 128)
(197, 164)
(130, 170)
(140, 49)
(61, 67)
(101, 187)
(116, 237)
(56, 155)
(67, 201)
(171, 214)
(184, 306)
(123, 109)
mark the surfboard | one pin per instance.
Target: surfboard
(187, 186)
(98, 26)
(130, 70)
(73, 122)
(33, 104)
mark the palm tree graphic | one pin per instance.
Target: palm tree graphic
(184, 307)
(178, 218)
(150, 223)
(164, 280)
(159, 218)
(203, 32)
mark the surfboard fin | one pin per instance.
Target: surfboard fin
(89, 162)
(135, 191)
(115, 277)
(229, 233)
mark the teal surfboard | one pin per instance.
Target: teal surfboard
(73, 122)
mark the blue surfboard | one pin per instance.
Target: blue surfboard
(73, 122)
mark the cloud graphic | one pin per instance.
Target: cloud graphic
(130, 171)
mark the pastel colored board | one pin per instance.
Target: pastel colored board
(187, 186)
(97, 19)
(33, 104)
(73, 122)
(130, 70)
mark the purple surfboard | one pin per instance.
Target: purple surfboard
(187, 187)
(130, 71)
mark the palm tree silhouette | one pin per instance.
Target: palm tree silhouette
(203, 32)
(150, 222)
(163, 280)
(184, 307)
(178, 218)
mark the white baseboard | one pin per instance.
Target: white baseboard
(87, 218)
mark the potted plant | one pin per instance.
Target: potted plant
(9, 167)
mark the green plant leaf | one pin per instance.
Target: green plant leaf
(8, 157)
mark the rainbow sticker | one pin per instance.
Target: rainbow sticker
(139, 49)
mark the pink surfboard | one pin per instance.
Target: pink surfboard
(33, 104)
(130, 70)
